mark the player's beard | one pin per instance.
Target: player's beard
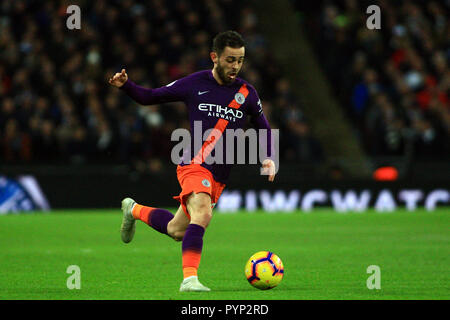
(223, 76)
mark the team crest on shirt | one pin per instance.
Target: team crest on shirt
(239, 97)
(206, 183)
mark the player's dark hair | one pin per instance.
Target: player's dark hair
(227, 39)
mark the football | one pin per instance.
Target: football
(264, 270)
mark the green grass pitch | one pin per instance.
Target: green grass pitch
(325, 255)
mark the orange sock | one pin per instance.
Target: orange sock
(192, 249)
(191, 262)
(156, 218)
(189, 272)
(141, 212)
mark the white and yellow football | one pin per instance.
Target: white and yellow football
(264, 270)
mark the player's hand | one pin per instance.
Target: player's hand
(268, 168)
(119, 79)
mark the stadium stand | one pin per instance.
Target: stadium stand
(394, 82)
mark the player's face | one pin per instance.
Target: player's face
(229, 63)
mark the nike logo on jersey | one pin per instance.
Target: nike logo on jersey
(202, 92)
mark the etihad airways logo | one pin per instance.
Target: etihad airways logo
(218, 111)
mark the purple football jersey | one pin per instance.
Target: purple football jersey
(210, 105)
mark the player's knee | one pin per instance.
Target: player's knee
(174, 231)
(199, 207)
(202, 216)
(206, 218)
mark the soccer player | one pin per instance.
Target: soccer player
(219, 100)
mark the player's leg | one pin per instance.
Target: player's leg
(199, 208)
(176, 228)
(156, 218)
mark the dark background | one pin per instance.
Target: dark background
(89, 145)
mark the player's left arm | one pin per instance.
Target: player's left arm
(260, 121)
(174, 91)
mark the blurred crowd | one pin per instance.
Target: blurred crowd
(394, 83)
(56, 105)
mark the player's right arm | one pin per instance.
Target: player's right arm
(259, 121)
(146, 96)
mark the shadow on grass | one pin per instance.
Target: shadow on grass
(251, 289)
